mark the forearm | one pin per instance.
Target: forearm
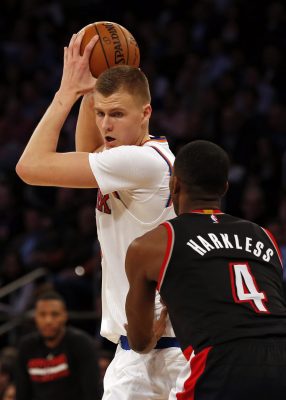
(144, 342)
(44, 139)
(140, 331)
(88, 137)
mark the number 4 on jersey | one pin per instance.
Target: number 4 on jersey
(244, 287)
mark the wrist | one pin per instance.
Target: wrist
(65, 100)
(150, 346)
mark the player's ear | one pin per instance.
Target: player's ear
(226, 188)
(174, 185)
(177, 185)
(147, 111)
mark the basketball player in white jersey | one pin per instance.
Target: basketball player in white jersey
(115, 154)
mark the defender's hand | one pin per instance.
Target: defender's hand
(160, 324)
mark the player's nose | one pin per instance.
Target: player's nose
(107, 124)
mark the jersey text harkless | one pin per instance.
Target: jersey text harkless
(211, 241)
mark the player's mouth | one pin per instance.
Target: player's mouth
(109, 140)
(48, 331)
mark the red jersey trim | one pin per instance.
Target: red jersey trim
(207, 211)
(198, 366)
(168, 253)
(273, 240)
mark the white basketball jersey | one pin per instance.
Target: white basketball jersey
(133, 198)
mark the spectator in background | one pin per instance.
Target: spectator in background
(57, 362)
(9, 392)
(6, 375)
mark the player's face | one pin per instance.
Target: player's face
(50, 318)
(121, 118)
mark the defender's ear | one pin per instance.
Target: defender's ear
(174, 185)
(226, 188)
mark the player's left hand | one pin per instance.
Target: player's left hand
(77, 78)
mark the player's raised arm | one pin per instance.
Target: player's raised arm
(40, 164)
(88, 137)
(143, 261)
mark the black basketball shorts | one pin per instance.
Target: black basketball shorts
(248, 369)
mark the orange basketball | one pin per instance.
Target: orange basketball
(115, 46)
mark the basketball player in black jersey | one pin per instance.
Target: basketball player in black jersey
(221, 280)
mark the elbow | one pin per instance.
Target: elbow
(25, 172)
(21, 171)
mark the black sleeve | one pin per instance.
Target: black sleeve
(23, 383)
(87, 362)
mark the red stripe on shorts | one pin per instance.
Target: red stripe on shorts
(198, 365)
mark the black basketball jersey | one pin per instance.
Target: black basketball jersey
(221, 280)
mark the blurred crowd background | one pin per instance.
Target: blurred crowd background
(217, 71)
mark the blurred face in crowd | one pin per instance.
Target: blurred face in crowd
(4, 379)
(50, 318)
(10, 393)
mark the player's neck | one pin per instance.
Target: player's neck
(187, 206)
(142, 139)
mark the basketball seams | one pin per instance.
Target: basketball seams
(133, 49)
(127, 43)
(102, 47)
(117, 46)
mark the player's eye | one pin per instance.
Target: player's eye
(117, 114)
(55, 314)
(100, 114)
